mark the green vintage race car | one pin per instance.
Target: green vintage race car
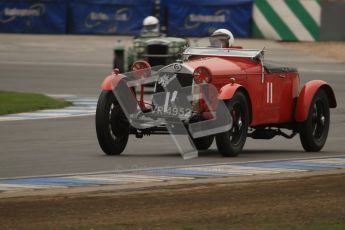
(155, 48)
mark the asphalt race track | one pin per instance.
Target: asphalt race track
(77, 65)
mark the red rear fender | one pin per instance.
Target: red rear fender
(306, 96)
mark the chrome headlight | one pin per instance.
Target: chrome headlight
(172, 44)
(174, 49)
(139, 47)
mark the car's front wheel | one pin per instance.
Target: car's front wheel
(112, 126)
(314, 131)
(203, 143)
(231, 143)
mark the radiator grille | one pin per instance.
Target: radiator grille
(157, 49)
(184, 80)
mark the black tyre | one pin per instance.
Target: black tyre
(119, 60)
(203, 143)
(314, 131)
(231, 143)
(112, 126)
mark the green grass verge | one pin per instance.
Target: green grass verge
(15, 102)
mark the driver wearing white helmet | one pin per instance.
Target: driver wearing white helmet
(221, 38)
(150, 25)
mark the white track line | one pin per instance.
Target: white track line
(139, 170)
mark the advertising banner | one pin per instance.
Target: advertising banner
(30, 16)
(195, 18)
(108, 16)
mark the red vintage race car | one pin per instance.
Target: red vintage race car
(262, 99)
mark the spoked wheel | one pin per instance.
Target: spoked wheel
(231, 143)
(112, 126)
(314, 131)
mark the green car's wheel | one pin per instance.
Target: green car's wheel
(119, 60)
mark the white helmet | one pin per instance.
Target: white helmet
(221, 38)
(151, 24)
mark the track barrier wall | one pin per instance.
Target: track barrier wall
(122, 17)
(332, 20)
(287, 20)
(33, 16)
(195, 18)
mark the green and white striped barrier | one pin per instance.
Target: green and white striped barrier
(287, 20)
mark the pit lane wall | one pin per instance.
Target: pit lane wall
(287, 20)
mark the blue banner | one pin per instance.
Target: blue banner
(197, 18)
(30, 16)
(108, 16)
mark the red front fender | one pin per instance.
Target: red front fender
(106, 84)
(228, 91)
(306, 96)
(110, 82)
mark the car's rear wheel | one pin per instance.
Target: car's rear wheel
(231, 143)
(112, 126)
(314, 131)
